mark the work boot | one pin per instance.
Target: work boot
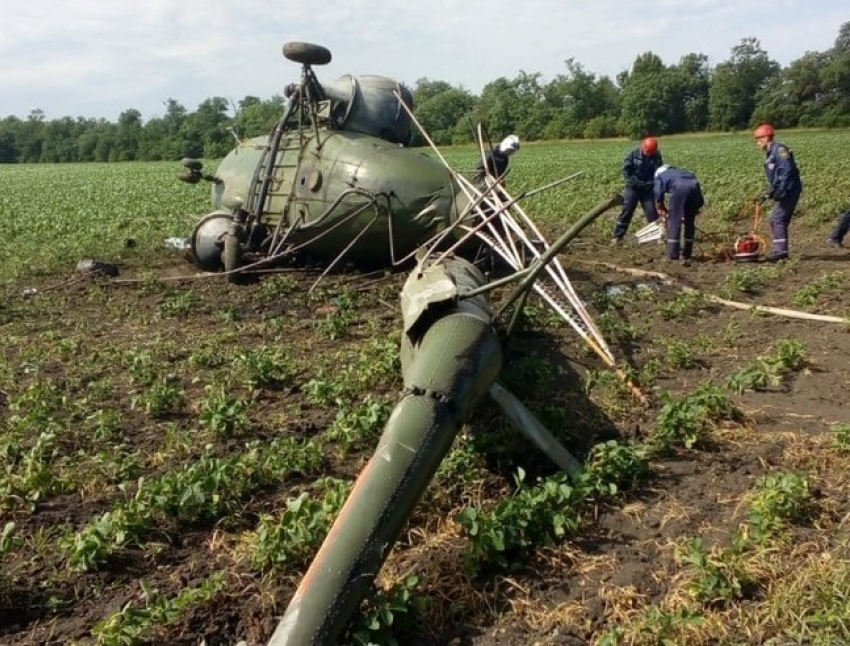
(686, 262)
(832, 242)
(776, 256)
(616, 242)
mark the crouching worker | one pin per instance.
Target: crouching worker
(682, 208)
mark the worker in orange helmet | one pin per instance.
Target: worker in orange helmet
(784, 187)
(639, 168)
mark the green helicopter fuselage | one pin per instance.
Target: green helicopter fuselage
(338, 191)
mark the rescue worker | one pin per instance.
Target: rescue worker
(497, 160)
(639, 168)
(841, 229)
(784, 187)
(684, 204)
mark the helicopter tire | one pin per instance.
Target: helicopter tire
(307, 53)
(231, 257)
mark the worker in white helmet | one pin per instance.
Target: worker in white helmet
(496, 160)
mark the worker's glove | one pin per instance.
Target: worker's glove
(764, 197)
(662, 210)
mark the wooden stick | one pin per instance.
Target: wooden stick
(778, 311)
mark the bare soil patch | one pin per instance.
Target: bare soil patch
(82, 340)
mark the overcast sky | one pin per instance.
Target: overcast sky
(94, 58)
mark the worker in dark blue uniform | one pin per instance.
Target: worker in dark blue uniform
(836, 239)
(685, 201)
(497, 160)
(639, 168)
(784, 187)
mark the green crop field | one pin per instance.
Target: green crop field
(174, 448)
(55, 215)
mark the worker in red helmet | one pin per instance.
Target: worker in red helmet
(784, 187)
(639, 168)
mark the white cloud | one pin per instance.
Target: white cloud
(96, 58)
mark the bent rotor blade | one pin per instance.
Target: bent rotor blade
(496, 219)
(499, 222)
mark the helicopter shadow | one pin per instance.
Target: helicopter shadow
(547, 369)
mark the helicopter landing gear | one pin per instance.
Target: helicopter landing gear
(307, 53)
(231, 257)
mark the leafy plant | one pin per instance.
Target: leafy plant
(791, 355)
(842, 437)
(718, 575)
(26, 473)
(767, 372)
(164, 395)
(277, 287)
(548, 511)
(758, 376)
(611, 468)
(263, 367)
(178, 305)
(747, 281)
(809, 295)
(206, 488)
(779, 499)
(364, 421)
(534, 515)
(613, 326)
(132, 624)
(223, 413)
(293, 537)
(336, 323)
(685, 304)
(8, 540)
(687, 421)
(679, 354)
(140, 366)
(388, 613)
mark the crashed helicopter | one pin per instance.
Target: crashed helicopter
(335, 181)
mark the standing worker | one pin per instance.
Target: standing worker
(639, 168)
(497, 160)
(784, 187)
(685, 202)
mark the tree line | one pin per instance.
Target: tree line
(649, 98)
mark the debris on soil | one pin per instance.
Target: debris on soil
(97, 267)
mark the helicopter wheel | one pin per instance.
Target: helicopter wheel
(307, 53)
(231, 257)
